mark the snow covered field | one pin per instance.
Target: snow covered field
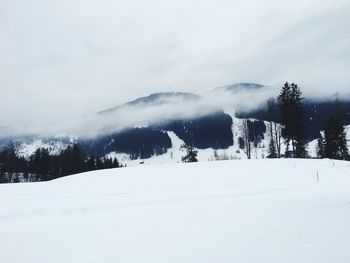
(225, 211)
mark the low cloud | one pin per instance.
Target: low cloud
(163, 109)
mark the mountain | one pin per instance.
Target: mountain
(166, 122)
(239, 87)
(211, 131)
(160, 98)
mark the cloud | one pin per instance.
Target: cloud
(61, 60)
(157, 108)
(314, 53)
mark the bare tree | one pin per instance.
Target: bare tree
(272, 144)
(244, 128)
(275, 128)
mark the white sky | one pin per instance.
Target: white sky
(64, 59)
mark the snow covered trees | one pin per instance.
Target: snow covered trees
(292, 119)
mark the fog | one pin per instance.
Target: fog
(63, 61)
(142, 114)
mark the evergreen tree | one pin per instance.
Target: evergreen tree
(272, 149)
(78, 159)
(335, 143)
(91, 164)
(40, 164)
(99, 164)
(320, 147)
(10, 158)
(115, 163)
(72, 160)
(292, 118)
(241, 143)
(10, 163)
(191, 155)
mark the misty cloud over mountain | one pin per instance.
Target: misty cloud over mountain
(157, 107)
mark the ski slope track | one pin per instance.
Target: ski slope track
(224, 211)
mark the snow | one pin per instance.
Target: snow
(312, 148)
(347, 130)
(225, 211)
(173, 155)
(28, 149)
(178, 150)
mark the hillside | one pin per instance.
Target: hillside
(145, 128)
(228, 211)
(157, 129)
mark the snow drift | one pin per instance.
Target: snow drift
(228, 211)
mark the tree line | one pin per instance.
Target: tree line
(287, 123)
(42, 166)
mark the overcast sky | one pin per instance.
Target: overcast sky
(63, 59)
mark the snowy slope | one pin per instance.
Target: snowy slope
(178, 150)
(227, 211)
(28, 149)
(173, 155)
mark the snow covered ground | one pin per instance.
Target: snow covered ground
(226, 211)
